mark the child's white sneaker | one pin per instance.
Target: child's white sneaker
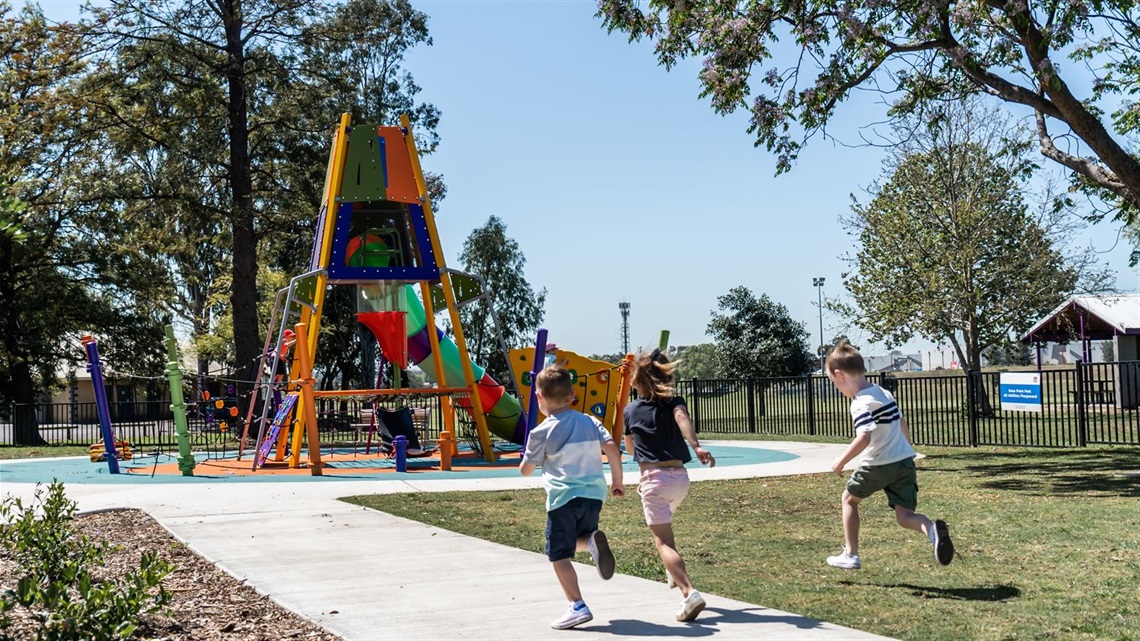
(669, 580)
(603, 555)
(691, 606)
(845, 561)
(575, 615)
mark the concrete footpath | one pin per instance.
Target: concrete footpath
(368, 575)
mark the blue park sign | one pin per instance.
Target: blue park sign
(1021, 391)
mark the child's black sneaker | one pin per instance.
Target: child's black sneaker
(943, 546)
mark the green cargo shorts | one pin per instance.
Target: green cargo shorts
(897, 479)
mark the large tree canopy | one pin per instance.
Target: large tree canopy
(171, 156)
(67, 265)
(757, 337)
(791, 62)
(948, 247)
(224, 110)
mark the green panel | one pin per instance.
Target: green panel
(363, 179)
(465, 288)
(306, 290)
(438, 302)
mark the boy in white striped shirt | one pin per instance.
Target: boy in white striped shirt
(568, 446)
(882, 436)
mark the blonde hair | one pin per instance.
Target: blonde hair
(845, 358)
(653, 376)
(555, 384)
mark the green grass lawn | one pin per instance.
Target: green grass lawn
(1049, 543)
(9, 452)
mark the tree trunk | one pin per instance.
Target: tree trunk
(243, 296)
(201, 328)
(974, 361)
(368, 358)
(25, 428)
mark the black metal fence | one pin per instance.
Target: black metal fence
(1090, 403)
(151, 423)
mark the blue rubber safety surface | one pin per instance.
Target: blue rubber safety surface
(138, 470)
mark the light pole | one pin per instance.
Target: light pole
(818, 284)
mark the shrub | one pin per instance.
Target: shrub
(57, 586)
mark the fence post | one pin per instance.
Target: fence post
(1082, 422)
(750, 387)
(695, 406)
(810, 407)
(972, 405)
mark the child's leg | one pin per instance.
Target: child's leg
(912, 520)
(583, 544)
(902, 493)
(851, 522)
(562, 541)
(667, 548)
(568, 579)
(662, 490)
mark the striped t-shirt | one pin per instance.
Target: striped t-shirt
(874, 410)
(568, 448)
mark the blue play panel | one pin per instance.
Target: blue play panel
(139, 470)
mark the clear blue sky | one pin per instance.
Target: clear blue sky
(620, 183)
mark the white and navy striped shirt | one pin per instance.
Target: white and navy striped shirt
(874, 410)
(568, 448)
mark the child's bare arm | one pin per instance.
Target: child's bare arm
(613, 456)
(862, 440)
(905, 429)
(681, 415)
(526, 469)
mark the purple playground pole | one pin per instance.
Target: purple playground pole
(539, 362)
(401, 444)
(96, 368)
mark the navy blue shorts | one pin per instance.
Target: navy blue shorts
(566, 523)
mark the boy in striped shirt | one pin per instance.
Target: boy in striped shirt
(882, 436)
(568, 446)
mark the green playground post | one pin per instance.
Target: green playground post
(178, 405)
(663, 342)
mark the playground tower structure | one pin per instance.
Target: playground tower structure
(376, 231)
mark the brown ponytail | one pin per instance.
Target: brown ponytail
(653, 376)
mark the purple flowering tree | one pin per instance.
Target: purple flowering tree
(1074, 64)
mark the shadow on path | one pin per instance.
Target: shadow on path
(705, 624)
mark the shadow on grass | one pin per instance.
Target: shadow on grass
(985, 593)
(1113, 472)
(1000, 592)
(702, 627)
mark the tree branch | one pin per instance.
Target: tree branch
(965, 60)
(1082, 166)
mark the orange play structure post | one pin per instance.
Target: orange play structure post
(309, 409)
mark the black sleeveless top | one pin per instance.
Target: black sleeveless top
(656, 436)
